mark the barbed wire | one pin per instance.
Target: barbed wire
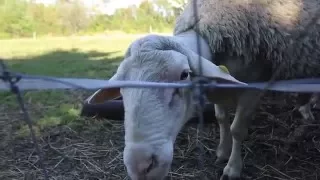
(15, 82)
(12, 80)
(36, 82)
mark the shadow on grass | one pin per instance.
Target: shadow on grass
(51, 108)
(63, 63)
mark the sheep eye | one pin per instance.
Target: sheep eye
(184, 75)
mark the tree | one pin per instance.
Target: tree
(13, 21)
(72, 15)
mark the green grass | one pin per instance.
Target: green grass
(89, 57)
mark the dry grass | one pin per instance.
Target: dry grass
(92, 149)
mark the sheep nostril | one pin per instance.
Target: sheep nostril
(153, 164)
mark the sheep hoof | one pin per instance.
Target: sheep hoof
(230, 173)
(221, 160)
(223, 153)
(226, 177)
(306, 114)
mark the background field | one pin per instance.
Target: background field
(87, 148)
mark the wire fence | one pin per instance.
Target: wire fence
(17, 82)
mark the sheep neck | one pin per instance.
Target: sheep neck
(189, 40)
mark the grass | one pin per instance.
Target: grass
(52, 110)
(76, 147)
(61, 57)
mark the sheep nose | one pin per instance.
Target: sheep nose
(139, 160)
(146, 166)
(146, 161)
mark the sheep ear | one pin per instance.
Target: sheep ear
(219, 73)
(102, 95)
(210, 70)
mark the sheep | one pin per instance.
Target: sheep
(254, 36)
(154, 117)
(244, 36)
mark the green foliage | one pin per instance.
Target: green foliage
(21, 18)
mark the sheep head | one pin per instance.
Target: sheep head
(154, 116)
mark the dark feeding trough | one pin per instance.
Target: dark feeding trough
(107, 104)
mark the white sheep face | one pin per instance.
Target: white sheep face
(154, 116)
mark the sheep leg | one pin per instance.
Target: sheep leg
(225, 145)
(239, 131)
(305, 102)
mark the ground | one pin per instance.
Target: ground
(76, 147)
